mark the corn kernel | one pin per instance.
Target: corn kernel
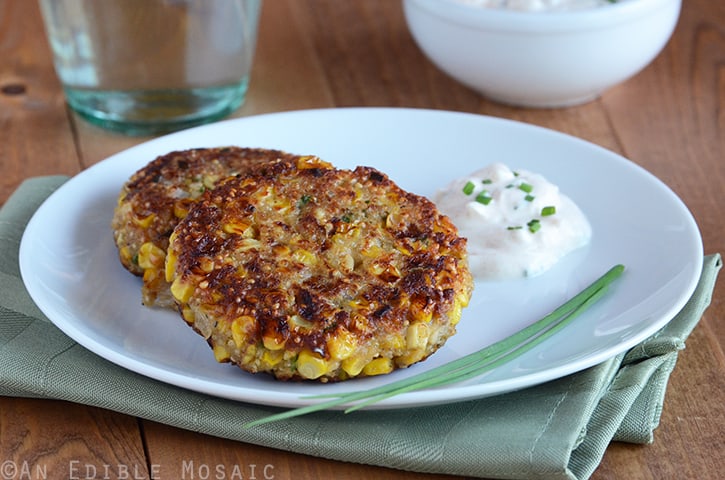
(372, 251)
(310, 366)
(389, 273)
(170, 264)
(238, 228)
(359, 303)
(304, 257)
(417, 336)
(347, 263)
(221, 354)
(181, 208)
(309, 162)
(144, 222)
(455, 313)
(150, 256)
(206, 264)
(149, 275)
(376, 268)
(392, 220)
(239, 330)
(353, 365)
(272, 358)
(249, 354)
(126, 253)
(247, 244)
(410, 357)
(296, 322)
(188, 315)
(282, 206)
(209, 181)
(181, 290)
(345, 228)
(421, 309)
(341, 346)
(395, 342)
(378, 366)
(463, 299)
(273, 343)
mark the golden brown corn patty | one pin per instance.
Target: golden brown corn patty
(154, 199)
(318, 273)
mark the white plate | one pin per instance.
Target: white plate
(70, 267)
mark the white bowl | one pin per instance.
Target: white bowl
(541, 59)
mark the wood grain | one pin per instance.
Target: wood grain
(53, 439)
(669, 118)
(30, 100)
(178, 452)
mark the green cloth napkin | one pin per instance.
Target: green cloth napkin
(556, 430)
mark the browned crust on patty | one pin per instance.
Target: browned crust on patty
(153, 200)
(319, 273)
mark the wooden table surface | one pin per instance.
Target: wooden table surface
(670, 119)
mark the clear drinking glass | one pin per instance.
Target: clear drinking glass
(144, 67)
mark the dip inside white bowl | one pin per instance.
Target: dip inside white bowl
(540, 5)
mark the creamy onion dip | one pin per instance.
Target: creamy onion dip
(538, 5)
(517, 223)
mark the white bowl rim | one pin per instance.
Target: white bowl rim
(502, 20)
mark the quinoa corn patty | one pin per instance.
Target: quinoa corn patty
(154, 199)
(318, 273)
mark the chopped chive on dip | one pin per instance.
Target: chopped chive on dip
(526, 187)
(487, 181)
(484, 197)
(468, 188)
(529, 198)
(547, 211)
(534, 225)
